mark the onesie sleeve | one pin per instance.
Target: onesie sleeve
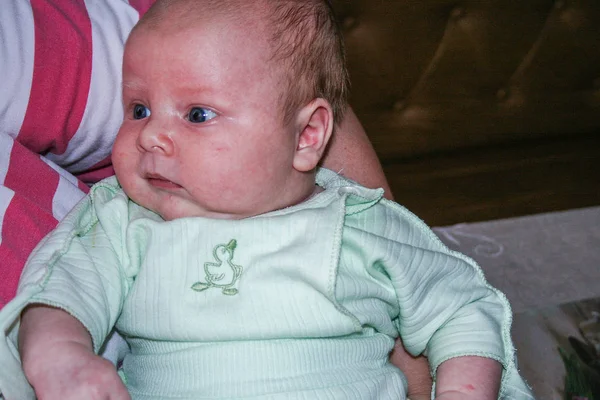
(446, 308)
(78, 267)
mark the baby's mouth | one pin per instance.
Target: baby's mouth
(161, 182)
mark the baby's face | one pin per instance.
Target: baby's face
(202, 133)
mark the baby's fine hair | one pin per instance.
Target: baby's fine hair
(306, 42)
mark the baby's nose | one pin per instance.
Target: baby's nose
(156, 139)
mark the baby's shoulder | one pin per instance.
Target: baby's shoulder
(110, 204)
(391, 220)
(367, 211)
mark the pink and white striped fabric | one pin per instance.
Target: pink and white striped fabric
(60, 109)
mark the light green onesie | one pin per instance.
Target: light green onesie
(299, 303)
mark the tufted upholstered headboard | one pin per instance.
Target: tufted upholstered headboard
(469, 91)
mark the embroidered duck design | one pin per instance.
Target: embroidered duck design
(223, 273)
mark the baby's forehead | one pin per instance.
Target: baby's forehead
(182, 14)
(233, 30)
(229, 53)
(234, 27)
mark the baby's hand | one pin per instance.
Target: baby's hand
(78, 374)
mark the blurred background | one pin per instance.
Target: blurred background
(479, 109)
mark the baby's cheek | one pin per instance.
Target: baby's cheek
(227, 185)
(122, 162)
(117, 155)
(121, 148)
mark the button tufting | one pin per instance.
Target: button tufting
(349, 23)
(457, 12)
(399, 105)
(502, 94)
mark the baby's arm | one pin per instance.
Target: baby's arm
(351, 154)
(446, 308)
(468, 377)
(59, 360)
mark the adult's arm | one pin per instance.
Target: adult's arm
(351, 154)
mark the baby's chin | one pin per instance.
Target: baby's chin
(170, 215)
(179, 204)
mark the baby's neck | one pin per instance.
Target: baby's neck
(316, 190)
(304, 187)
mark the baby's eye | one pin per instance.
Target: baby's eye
(200, 114)
(141, 112)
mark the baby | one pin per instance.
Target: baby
(233, 267)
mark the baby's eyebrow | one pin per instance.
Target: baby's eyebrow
(133, 85)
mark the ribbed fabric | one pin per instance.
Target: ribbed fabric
(299, 303)
(287, 368)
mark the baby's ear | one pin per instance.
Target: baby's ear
(315, 124)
